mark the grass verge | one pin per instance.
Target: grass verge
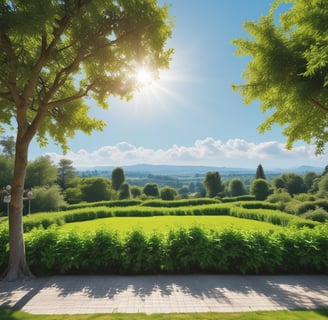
(320, 314)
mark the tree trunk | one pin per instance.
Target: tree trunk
(17, 267)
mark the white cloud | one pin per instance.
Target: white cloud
(232, 153)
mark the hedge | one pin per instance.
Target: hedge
(193, 250)
(276, 217)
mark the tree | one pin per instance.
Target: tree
(168, 193)
(237, 188)
(294, 183)
(47, 198)
(72, 50)
(151, 190)
(213, 184)
(118, 178)
(260, 188)
(288, 70)
(259, 172)
(65, 173)
(95, 189)
(40, 172)
(136, 191)
(8, 146)
(124, 192)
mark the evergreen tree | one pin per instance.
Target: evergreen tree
(118, 178)
(260, 172)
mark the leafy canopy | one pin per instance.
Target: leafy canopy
(288, 70)
(55, 53)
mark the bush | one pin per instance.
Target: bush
(318, 214)
(239, 198)
(181, 251)
(47, 199)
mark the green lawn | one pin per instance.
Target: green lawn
(165, 223)
(7, 314)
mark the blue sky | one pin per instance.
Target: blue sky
(191, 116)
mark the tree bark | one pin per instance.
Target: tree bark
(17, 267)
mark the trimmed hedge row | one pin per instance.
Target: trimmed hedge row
(180, 203)
(191, 250)
(59, 218)
(109, 203)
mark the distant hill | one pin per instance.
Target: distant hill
(181, 170)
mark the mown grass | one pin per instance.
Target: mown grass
(321, 314)
(166, 223)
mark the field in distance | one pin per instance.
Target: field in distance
(163, 224)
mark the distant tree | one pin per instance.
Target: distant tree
(6, 170)
(95, 189)
(73, 195)
(294, 183)
(136, 191)
(65, 172)
(236, 187)
(278, 184)
(213, 184)
(260, 188)
(118, 178)
(151, 190)
(260, 172)
(8, 146)
(40, 172)
(325, 171)
(168, 193)
(311, 180)
(124, 192)
(47, 198)
(323, 187)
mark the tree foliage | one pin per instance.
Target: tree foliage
(237, 188)
(65, 172)
(213, 184)
(259, 172)
(118, 178)
(260, 188)
(40, 172)
(288, 70)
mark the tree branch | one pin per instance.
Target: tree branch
(12, 70)
(317, 104)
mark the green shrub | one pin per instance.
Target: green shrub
(318, 214)
(239, 198)
(180, 251)
(4, 254)
(259, 205)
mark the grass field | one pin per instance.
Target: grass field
(166, 223)
(7, 314)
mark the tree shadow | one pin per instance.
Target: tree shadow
(281, 292)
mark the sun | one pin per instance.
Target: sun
(144, 77)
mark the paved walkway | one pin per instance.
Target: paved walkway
(164, 294)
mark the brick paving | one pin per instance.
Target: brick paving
(165, 294)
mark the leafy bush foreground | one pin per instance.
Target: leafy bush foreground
(191, 250)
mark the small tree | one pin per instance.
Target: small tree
(65, 172)
(151, 190)
(124, 192)
(40, 172)
(213, 184)
(95, 189)
(260, 172)
(237, 188)
(260, 188)
(47, 199)
(168, 193)
(118, 178)
(136, 191)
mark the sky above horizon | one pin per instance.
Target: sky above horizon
(190, 116)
